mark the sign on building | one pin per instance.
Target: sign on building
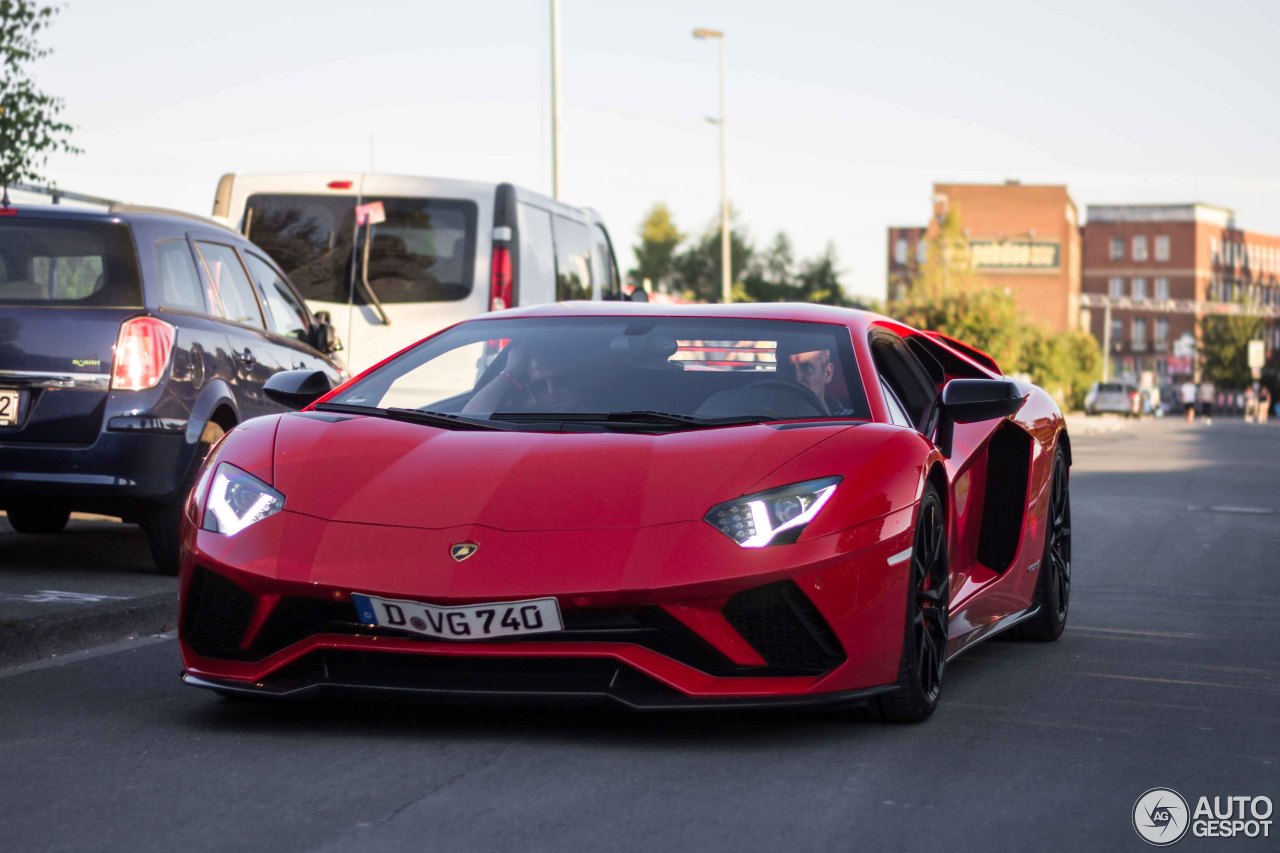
(1007, 254)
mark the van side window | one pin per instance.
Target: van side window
(606, 274)
(573, 259)
(229, 291)
(179, 279)
(285, 316)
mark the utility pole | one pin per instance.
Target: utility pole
(555, 99)
(726, 273)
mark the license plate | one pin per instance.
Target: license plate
(9, 407)
(468, 622)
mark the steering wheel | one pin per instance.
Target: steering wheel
(810, 399)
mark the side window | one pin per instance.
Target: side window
(897, 415)
(537, 268)
(285, 315)
(604, 271)
(900, 370)
(230, 293)
(573, 259)
(179, 279)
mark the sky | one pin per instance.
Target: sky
(840, 115)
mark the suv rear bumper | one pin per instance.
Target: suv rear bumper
(118, 468)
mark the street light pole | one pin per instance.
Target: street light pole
(726, 273)
(555, 99)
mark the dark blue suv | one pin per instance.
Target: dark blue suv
(130, 341)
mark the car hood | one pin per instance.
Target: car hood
(373, 470)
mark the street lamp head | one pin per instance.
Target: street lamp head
(704, 33)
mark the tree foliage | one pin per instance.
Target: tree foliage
(1224, 348)
(656, 251)
(30, 128)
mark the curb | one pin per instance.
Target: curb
(29, 640)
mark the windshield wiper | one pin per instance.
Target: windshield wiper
(643, 417)
(417, 416)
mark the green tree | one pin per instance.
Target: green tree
(986, 319)
(947, 266)
(697, 269)
(1224, 347)
(30, 129)
(656, 251)
(819, 279)
(771, 275)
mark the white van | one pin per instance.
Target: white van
(394, 259)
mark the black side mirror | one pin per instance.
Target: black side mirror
(297, 389)
(966, 401)
(323, 336)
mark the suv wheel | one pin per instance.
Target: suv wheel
(40, 519)
(163, 523)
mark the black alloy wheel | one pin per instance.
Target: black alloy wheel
(924, 645)
(1053, 588)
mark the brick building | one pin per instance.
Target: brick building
(1024, 239)
(1162, 268)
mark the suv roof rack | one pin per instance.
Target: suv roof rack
(122, 207)
(56, 195)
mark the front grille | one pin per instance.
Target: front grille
(784, 626)
(218, 614)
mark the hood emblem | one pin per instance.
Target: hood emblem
(461, 550)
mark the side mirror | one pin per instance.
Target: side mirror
(966, 401)
(323, 336)
(297, 389)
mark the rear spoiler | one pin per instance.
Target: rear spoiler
(964, 349)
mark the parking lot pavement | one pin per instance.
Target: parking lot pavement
(93, 583)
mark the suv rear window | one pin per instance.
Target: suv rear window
(423, 252)
(50, 262)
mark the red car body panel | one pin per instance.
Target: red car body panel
(603, 521)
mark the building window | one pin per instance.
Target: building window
(1117, 248)
(1139, 288)
(1140, 248)
(1117, 287)
(1162, 247)
(1139, 334)
(1117, 333)
(1162, 288)
(900, 250)
(922, 252)
(1162, 334)
(1213, 249)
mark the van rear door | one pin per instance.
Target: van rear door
(66, 286)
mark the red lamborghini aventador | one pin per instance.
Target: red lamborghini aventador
(711, 506)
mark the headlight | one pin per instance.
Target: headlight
(237, 499)
(774, 517)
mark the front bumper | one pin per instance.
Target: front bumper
(662, 618)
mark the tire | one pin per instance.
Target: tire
(39, 520)
(1053, 587)
(163, 524)
(924, 642)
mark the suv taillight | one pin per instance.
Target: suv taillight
(142, 354)
(501, 279)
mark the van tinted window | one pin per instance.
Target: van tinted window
(605, 272)
(573, 259)
(423, 252)
(68, 263)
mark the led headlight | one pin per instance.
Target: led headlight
(237, 499)
(773, 517)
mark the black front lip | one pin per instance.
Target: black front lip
(633, 692)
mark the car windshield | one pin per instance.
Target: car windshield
(678, 371)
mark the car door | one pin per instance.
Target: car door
(288, 322)
(232, 297)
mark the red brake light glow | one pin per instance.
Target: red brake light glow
(142, 354)
(8, 211)
(339, 185)
(501, 279)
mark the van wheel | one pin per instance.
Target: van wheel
(163, 523)
(40, 519)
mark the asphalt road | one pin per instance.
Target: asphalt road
(1168, 675)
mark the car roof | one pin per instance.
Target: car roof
(119, 213)
(796, 311)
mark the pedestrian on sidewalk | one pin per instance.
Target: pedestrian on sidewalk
(1206, 401)
(1250, 405)
(1264, 404)
(1188, 394)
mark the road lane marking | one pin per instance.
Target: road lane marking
(57, 596)
(88, 654)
